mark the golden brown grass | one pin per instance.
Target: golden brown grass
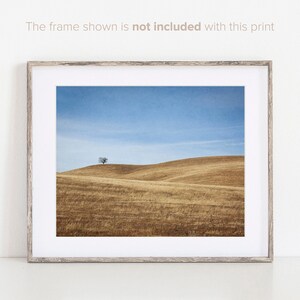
(191, 197)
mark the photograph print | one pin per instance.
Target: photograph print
(150, 161)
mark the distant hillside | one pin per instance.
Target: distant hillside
(217, 170)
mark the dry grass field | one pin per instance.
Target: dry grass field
(190, 197)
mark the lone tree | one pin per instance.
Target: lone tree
(102, 160)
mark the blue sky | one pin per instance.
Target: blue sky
(145, 125)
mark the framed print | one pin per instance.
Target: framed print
(150, 161)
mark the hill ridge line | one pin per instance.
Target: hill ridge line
(158, 164)
(221, 170)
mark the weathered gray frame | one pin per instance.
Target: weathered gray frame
(30, 258)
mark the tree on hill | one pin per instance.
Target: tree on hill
(102, 160)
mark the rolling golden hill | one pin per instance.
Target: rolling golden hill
(190, 197)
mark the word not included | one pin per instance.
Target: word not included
(167, 26)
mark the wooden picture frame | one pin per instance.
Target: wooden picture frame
(31, 81)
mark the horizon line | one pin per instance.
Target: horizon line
(207, 156)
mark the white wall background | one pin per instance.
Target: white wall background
(19, 46)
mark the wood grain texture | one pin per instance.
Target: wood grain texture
(270, 161)
(29, 161)
(148, 63)
(150, 259)
(30, 258)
